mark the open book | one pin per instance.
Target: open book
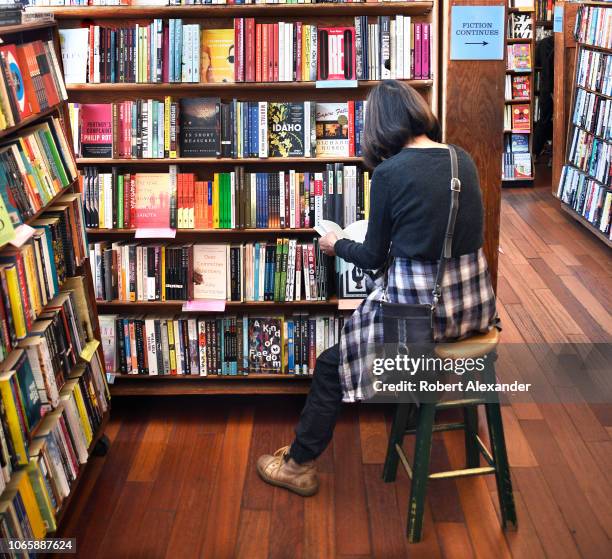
(356, 231)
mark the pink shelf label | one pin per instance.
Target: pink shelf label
(155, 233)
(205, 305)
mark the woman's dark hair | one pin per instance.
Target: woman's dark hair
(395, 114)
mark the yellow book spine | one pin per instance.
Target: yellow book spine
(32, 278)
(13, 422)
(14, 296)
(216, 201)
(43, 498)
(78, 397)
(39, 530)
(163, 273)
(305, 52)
(172, 353)
(167, 104)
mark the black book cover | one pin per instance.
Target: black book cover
(120, 340)
(200, 127)
(286, 129)
(217, 344)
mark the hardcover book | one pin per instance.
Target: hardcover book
(152, 200)
(286, 125)
(217, 56)
(200, 126)
(265, 345)
(332, 126)
(521, 87)
(14, 78)
(337, 60)
(96, 125)
(521, 26)
(209, 271)
(520, 117)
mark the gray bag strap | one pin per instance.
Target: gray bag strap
(447, 247)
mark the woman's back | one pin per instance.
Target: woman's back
(415, 185)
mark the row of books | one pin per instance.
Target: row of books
(281, 270)
(34, 167)
(594, 26)
(30, 81)
(520, 26)
(593, 113)
(10, 12)
(206, 127)
(517, 117)
(235, 200)
(595, 71)
(31, 275)
(544, 10)
(516, 157)
(518, 57)
(166, 51)
(592, 155)
(55, 454)
(589, 198)
(517, 88)
(227, 345)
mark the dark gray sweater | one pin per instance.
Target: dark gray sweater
(409, 205)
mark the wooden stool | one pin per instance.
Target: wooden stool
(497, 459)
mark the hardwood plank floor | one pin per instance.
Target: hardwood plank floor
(179, 479)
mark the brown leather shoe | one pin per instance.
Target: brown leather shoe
(299, 478)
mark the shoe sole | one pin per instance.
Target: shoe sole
(288, 486)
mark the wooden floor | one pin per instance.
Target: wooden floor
(179, 480)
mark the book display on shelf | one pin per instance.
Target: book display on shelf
(517, 163)
(244, 122)
(585, 186)
(54, 400)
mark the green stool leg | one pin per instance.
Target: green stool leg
(472, 452)
(420, 471)
(398, 429)
(502, 469)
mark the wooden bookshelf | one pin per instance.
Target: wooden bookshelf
(221, 16)
(514, 181)
(45, 31)
(566, 100)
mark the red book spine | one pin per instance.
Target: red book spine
(192, 201)
(250, 50)
(417, 51)
(52, 94)
(91, 54)
(300, 54)
(180, 204)
(276, 53)
(271, 52)
(351, 128)
(425, 52)
(265, 54)
(258, 53)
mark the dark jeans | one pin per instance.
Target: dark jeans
(318, 418)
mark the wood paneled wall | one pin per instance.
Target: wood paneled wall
(473, 118)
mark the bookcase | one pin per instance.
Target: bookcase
(219, 17)
(54, 400)
(585, 180)
(520, 94)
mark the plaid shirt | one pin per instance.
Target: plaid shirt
(467, 307)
